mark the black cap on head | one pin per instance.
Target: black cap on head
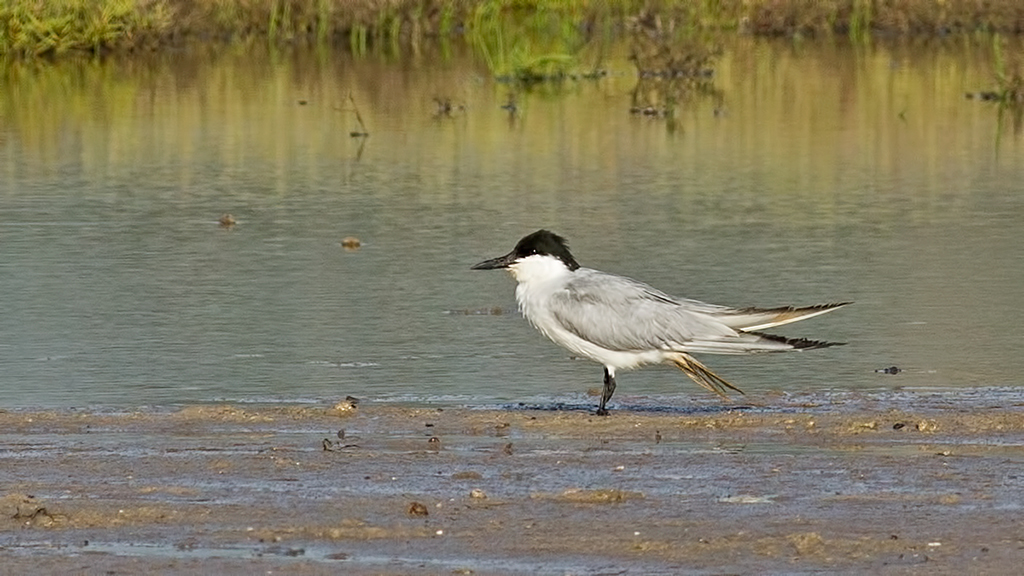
(546, 243)
(541, 243)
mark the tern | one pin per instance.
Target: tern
(624, 324)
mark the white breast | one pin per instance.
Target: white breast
(539, 278)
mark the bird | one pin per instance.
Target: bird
(625, 324)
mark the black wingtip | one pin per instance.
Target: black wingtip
(799, 343)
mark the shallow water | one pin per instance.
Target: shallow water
(822, 173)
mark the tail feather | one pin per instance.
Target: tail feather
(748, 322)
(754, 343)
(703, 376)
(753, 319)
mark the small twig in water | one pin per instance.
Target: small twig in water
(363, 132)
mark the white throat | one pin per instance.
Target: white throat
(539, 277)
(539, 269)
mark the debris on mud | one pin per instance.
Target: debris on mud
(601, 496)
(417, 509)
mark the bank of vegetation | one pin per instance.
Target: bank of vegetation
(38, 27)
(531, 40)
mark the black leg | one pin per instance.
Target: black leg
(606, 394)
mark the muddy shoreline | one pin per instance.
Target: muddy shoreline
(886, 483)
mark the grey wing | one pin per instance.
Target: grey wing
(618, 313)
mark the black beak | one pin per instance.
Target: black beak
(496, 263)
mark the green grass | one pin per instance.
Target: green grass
(1009, 73)
(47, 27)
(33, 28)
(525, 45)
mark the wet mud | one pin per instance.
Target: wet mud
(896, 482)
